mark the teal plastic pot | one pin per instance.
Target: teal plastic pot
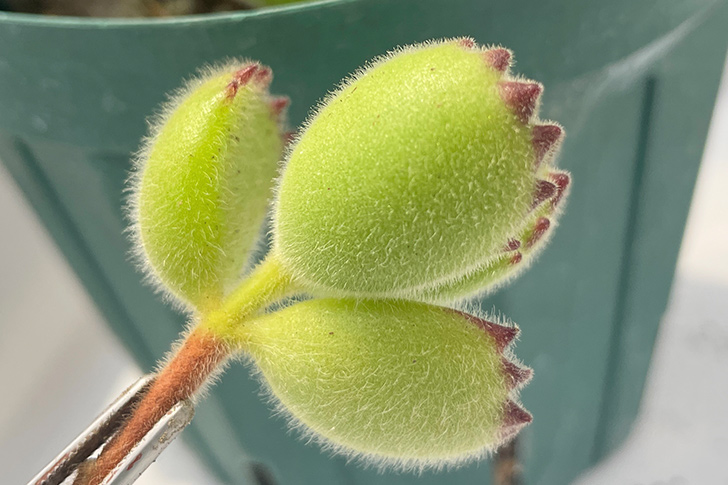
(633, 82)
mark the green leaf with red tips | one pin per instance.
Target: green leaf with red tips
(395, 382)
(203, 181)
(519, 251)
(413, 173)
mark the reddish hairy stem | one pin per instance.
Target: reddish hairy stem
(506, 467)
(188, 370)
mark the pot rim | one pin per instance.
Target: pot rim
(72, 22)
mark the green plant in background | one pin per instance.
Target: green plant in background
(424, 179)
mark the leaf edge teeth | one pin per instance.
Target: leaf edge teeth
(517, 376)
(499, 58)
(546, 139)
(241, 77)
(522, 97)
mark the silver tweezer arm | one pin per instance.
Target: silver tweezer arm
(59, 470)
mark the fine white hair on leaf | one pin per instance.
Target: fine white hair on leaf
(380, 463)
(391, 384)
(220, 239)
(335, 258)
(155, 123)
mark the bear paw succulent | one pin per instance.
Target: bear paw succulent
(424, 178)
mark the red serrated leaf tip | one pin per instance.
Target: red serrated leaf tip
(502, 335)
(514, 418)
(467, 43)
(279, 104)
(241, 77)
(264, 75)
(539, 229)
(516, 258)
(521, 97)
(516, 376)
(499, 59)
(545, 137)
(544, 191)
(512, 245)
(562, 181)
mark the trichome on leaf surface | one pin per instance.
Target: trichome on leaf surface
(425, 179)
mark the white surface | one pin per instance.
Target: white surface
(60, 365)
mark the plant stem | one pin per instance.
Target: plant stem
(204, 350)
(199, 356)
(506, 468)
(268, 283)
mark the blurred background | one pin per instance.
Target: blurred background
(61, 364)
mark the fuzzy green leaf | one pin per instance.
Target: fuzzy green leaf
(414, 173)
(203, 182)
(398, 383)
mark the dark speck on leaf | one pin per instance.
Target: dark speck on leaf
(331, 333)
(414, 361)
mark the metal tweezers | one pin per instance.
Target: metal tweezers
(62, 468)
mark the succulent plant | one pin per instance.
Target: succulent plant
(425, 178)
